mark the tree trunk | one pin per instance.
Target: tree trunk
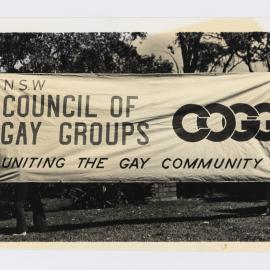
(226, 65)
(268, 64)
(248, 63)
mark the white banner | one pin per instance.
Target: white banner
(81, 128)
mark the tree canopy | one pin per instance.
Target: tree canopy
(76, 52)
(211, 52)
(116, 53)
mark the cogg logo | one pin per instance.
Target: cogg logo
(250, 127)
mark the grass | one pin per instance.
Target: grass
(182, 220)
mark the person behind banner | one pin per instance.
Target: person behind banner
(267, 212)
(29, 192)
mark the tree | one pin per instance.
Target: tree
(171, 51)
(222, 51)
(243, 45)
(76, 52)
(190, 46)
(264, 50)
(197, 54)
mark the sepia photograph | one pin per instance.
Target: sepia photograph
(134, 136)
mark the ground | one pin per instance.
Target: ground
(184, 220)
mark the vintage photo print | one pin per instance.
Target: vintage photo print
(146, 130)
